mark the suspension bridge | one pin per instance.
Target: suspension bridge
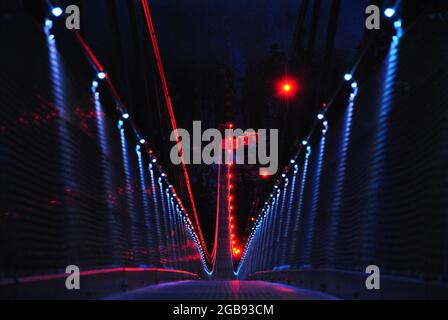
(83, 186)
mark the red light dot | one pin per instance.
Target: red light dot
(264, 175)
(287, 87)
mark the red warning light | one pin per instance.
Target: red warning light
(287, 87)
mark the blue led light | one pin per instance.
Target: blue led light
(389, 12)
(102, 75)
(304, 143)
(354, 85)
(142, 141)
(57, 11)
(126, 115)
(320, 116)
(48, 23)
(293, 161)
(348, 77)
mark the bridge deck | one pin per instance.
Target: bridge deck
(221, 290)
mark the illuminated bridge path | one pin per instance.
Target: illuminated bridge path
(221, 290)
(85, 184)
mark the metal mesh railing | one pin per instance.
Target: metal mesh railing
(77, 187)
(372, 189)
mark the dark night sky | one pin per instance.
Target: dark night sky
(236, 32)
(239, 32)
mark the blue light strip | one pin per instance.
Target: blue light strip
(265, 243)
(279, 227)
(270, 250)
(177, 236)
(144, 194)
(169, 234)
(340, 180)
(299, 210)
(106, 168)
(316, 193)
(162, 253)
(129, 188)
(288, 215)
(376, 167)
(165, 223)
(59, 100)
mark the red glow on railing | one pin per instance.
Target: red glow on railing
(99, 272)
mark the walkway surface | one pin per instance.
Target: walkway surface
(221, 290)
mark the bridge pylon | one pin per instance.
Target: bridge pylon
(223, 266)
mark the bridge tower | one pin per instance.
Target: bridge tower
(223, 266)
